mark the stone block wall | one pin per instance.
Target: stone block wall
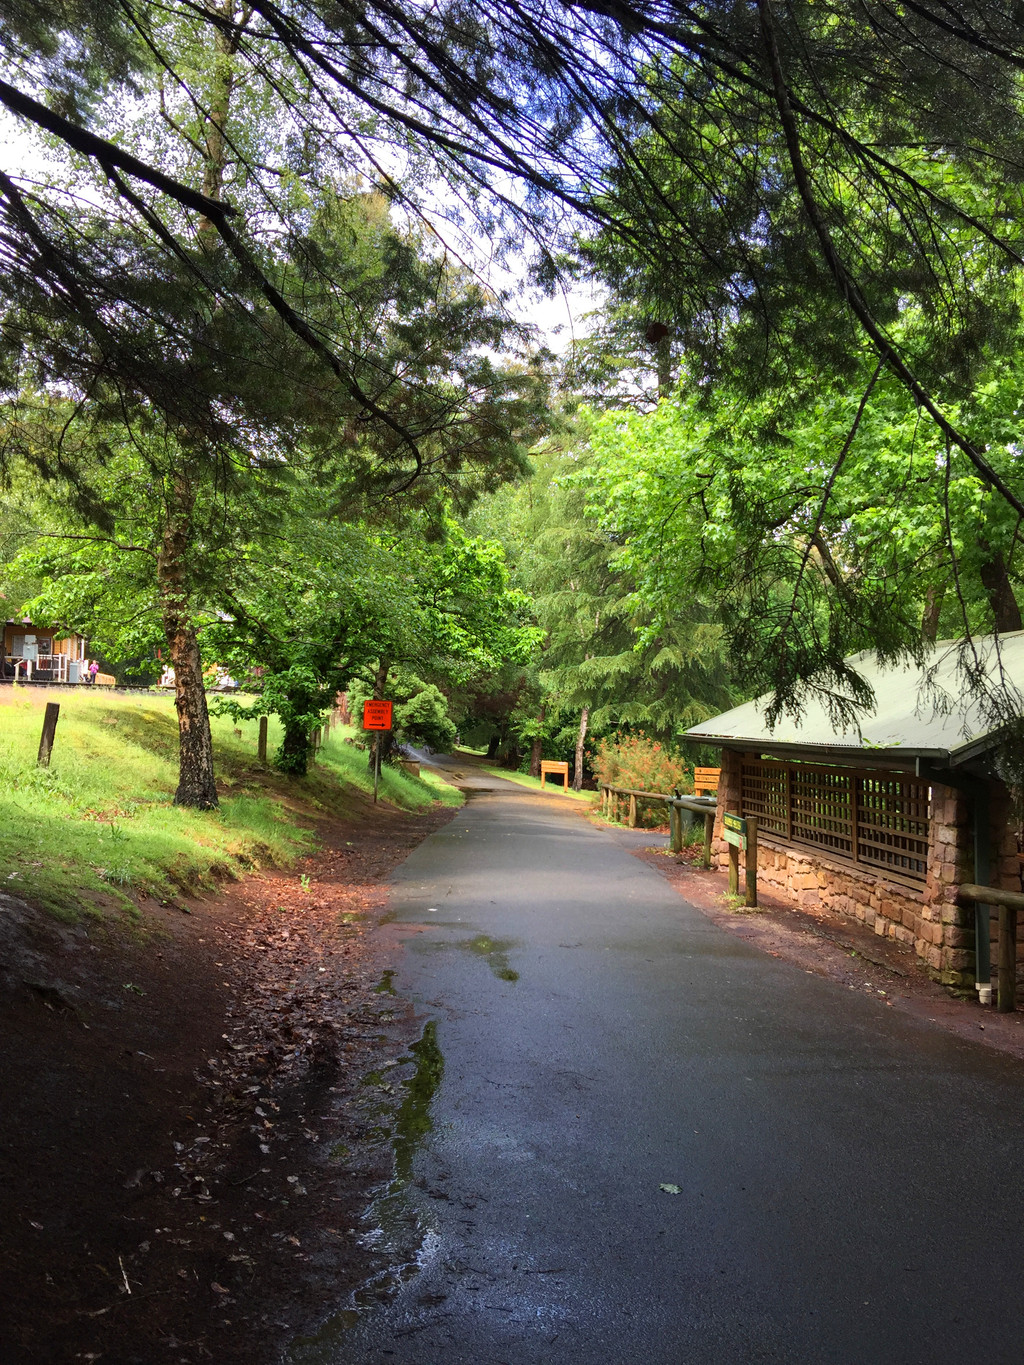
(940, 931)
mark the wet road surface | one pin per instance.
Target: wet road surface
(849, 1179)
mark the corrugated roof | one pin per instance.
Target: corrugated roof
(905, 721)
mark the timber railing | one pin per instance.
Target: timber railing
(611, 808)
(1008, 902)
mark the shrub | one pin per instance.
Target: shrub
(641, 763)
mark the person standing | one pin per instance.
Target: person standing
(94, 668)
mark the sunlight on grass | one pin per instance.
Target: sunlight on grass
(400, 788)
(99, 824)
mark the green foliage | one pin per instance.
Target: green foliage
(421, 710)
(603, 648)
(843, 530)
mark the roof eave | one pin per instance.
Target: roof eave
(901, 757)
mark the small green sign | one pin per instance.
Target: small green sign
(734, 830)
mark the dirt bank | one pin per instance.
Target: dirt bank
(192, 1117)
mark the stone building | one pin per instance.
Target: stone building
(884, 823)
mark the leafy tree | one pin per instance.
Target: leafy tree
(605, 661)
(804, 168)
(855, 525)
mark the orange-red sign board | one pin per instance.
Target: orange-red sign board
(376, 715)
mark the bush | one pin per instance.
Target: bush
(641, 763)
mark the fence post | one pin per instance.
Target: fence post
(261, 745)
(632, 811)
(709, 831)
(734, 870)
(1007, 960)
(750, 862)
(675, 829)
(49, 729)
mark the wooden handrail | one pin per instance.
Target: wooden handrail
(969, 893)
(1009, 902)
(633, 791)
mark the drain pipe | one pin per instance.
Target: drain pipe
(982, 913)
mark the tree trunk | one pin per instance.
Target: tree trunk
(577, 776)
(293, 755)
(996, 582)
(196, 783)
(492, 744)
(932, 610)
(218, 110)
(537, 747)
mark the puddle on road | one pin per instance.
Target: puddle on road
(495, 953)
(396, 1228)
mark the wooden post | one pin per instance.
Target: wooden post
(49, 730)
(709, 833)
(1007, 960)
(750, 862)
(261, 744)
(734, 870)
(675, 829)
(632, 811)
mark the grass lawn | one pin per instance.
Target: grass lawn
(98, 824)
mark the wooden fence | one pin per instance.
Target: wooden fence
(611, 808)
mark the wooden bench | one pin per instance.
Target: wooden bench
(559, 769)
(705, 781)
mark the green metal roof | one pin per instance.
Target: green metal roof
(918, 712)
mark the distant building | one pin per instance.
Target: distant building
(34, 653)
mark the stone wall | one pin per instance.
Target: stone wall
(941, 932)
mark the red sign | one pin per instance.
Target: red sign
(376, 715)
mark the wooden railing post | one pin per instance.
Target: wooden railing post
(734, 870)
(632, 811)
(709, 832)
(750, 862)
(675, 828)
(49, 730)
(1007, 960)
(261, 744)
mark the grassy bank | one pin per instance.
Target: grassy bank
(98, 824)
(351, 765)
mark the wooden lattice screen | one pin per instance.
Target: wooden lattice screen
(876, 819)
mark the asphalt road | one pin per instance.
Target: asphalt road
(849, 1178)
